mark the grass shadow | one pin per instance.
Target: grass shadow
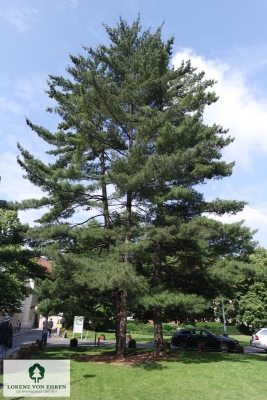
(195, 357)
(188, 357)
(150, 366)
(83, 376)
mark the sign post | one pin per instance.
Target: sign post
(224, 321)
(59, 323)
(78, 326)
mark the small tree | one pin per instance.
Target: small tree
(249, 290)
(17, 262)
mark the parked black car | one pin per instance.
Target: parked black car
(190, 338)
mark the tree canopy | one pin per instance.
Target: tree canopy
(17, 262)
(248, 294)
(131, 153)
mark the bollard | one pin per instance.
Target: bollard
(201, 346)
(132, 344)
(239, 349)
(73, 342)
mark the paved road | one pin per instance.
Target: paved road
(24, 338)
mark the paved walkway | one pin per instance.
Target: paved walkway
(25, 337)
(22, 332)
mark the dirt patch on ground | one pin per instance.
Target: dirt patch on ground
(130, 359)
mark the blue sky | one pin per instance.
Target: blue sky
(227, 39)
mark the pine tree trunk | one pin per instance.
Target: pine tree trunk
(122, 315)
(121, 329)
(120, 312)
(158, 334)
(121, 320)
(119, 297)
(116, 307)
(104, 191)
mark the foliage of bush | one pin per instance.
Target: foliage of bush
(215, 327)
(148, 329)
(100, 326)
(170, 329)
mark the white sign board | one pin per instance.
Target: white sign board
(78, 325)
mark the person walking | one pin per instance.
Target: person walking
(45, 331)
(6, 334)
(50, 327)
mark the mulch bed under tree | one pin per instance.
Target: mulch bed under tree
(134, 358)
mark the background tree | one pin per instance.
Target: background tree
(62, 292)
(246, 299)
(17, 262)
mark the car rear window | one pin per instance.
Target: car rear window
(264, 332)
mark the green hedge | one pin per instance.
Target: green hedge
(215, 327)
(170, 329)
(148, 329)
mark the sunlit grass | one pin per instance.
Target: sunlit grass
(140, 338)
(202, 376)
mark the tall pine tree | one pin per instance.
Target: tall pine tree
(130, 151)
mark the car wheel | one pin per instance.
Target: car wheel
(183, 345)
(265, 350)
(224, 348)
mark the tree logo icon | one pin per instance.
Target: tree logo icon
(36, 372)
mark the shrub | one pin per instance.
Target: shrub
(170, 329)
(140, 328)
(148, 329)
(215, 327)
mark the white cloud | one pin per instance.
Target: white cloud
(21, 17)
(13, 186)
(242, 109)
(29, 216)
(238, 108)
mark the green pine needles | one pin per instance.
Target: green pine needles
(130, 151)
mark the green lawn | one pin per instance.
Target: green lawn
(201, 376)
(110, 336)
(243, 339)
